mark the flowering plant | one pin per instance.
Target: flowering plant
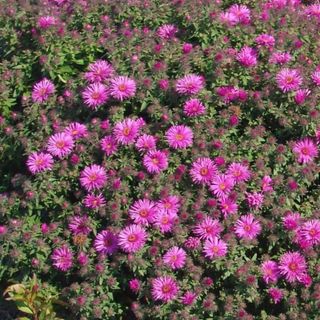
(160, 159)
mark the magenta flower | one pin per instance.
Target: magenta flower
(203, 171)
(42, 90)
(99, 71)
(62, 258)
(266, 184)
(93, 201)
(190, 84)
(46, 22)
(175, 258)
(247, 57)
(241, 12)
(109, 145)
(247, 227)
(193, 108)
(301, 96)
(164, 289)
(95, 95)
(292, 266)
(126, 131)
(76, 130)
(155, 161)
(167, 31)
(228, 206)
(79, 225)
(306, 150)
(316, 78)
(192, 243)
(310, 231)
(238, 172)
(146, 143)
(292, 220)
(93, 177)
(288, 79)
(265, 40)
(39, 162)
(254, 199)
(270, 271)
(276, 294)
(208, 228)
(132, 238)
(214, 248)
(222, 185)
(179, 137)
(142, 211)
(189, 298)
(164, 220)
(106, 242)
(122, 88)
(280, 58)
(60, 144)
(134, 285)
(171, 204)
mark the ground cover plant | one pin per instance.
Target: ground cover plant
(159, 159)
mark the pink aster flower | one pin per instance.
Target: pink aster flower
(280, 58)
(222, 185)
(42, 90)
(203, 171)
(79, 225)
(167, 31)
(215, 248)
(155, 161)
(208, 228)
(192, 243)
(95, 95)
(270, 272)
(179, 137)
(228, 18)
(289, 79)
(247, 227)
(238, 172)
(292, 220)
(175, 258)
(46, 22)
(189, 298)
(310, 231)
(193, 108)
(132, 238)
(306, 150)
(99, 71)
(93, 177)
(266, 184)
(228, 206)
(122, 88)
(265, 40)
(170, 203)
(164, 220)
(146, 142)
(60, 144)
(164, 289)
(301, 96)
(126, 131)
(292, 266)
(190, 84)
(142, 211)
(241, 12)
(134, 285)
(300, 239)
(254, 199)
(276, 294)
(62, 258)
(39, 162)
(106, 242)
(76, 130)
(93, 201)
(109, 145)
(316, 78)
(247, 57)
